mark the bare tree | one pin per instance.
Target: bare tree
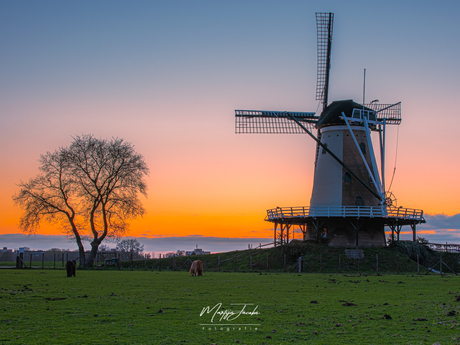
(91, 188)
(131, 248)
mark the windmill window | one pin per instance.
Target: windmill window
(359, 201)
(362, 146)
(324, 150)
(347, 177)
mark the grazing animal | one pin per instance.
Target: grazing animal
(197, 268)
(70, 267)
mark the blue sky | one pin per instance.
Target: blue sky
(167, 76)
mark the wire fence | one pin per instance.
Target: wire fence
(284, 259)
(299, 258)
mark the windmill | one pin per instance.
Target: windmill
(349, 205)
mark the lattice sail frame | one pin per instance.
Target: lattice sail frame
(272, 122)
(324, 24)
(390, 112)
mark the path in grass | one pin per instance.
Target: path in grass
(144, 307)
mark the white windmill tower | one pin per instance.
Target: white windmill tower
(348, 206)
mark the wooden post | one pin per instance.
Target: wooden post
(284, 262)
(218, 262)
(397, 263)
(159, 265)
(377, 264)
(299, 263)
(30, 259)
(418, 265)
(267, 262)
(54, 260)
(43, 260)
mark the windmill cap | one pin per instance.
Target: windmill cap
(331, 115)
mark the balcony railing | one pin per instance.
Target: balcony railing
(280, 213)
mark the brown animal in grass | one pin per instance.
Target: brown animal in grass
(197, 268)
(71, 267)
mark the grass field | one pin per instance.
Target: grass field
(145, 307)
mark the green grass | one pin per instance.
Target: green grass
(151, 307)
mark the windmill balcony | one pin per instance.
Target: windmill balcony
(293, 213)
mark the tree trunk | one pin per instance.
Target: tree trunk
(89, 262)
(81, 249)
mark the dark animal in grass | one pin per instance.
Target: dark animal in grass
(197, 268)
(70, 267)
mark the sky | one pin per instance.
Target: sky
(167, 76)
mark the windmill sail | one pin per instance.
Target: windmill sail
(324, 29)
(390, 112)
(279, 122)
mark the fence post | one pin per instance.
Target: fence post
(267, 262)
(132, 259)
(299, 263)
(218, 262)
(159, 265)
(204, 261)
(30, 259)
(440, 263)
(174, 263)
(54, 260)
(397, 262)
(145, 262)
(377, 264)
(418, 265)
(43, 260)
(284, 262)
(62, 259)
(339, 263)
(19, 260)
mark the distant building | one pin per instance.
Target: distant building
(197, 251)
(6, 250)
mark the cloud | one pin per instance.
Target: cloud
(439, 228)
(156, 244)
(44, 242)
(441, 221)
(213, 244)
